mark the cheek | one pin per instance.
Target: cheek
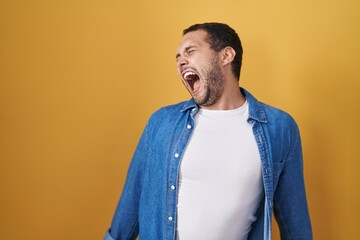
(178, 71)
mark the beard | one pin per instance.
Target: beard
(214, 81)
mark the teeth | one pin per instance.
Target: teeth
(188, 74)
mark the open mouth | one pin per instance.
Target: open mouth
(193, 81)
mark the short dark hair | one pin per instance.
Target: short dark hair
(220, 36)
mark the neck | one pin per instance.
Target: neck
(230, 99)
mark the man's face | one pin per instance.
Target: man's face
(199, 68)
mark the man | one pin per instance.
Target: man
(214, 167)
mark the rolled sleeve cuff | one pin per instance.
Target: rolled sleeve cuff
(108, 236)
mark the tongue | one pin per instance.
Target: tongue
(196, 85)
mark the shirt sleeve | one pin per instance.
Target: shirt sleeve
(290, 205)
(125, 224)
(108, 236)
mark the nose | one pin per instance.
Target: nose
(182, 62)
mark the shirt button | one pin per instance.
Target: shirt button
(177, 155)
(188, 126)
(170, 218)
(172, 187)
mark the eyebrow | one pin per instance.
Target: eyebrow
(185, 50)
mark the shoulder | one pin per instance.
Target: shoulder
(265, 113)
(169, 113)
(174, 108)
(281, 126)
(278, 116)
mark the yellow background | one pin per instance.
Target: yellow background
(79, 79)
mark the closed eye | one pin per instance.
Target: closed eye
(189, 52)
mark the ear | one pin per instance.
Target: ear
(228, 55)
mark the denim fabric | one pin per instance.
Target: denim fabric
(148, 202)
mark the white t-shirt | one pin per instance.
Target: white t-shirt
(220, 180)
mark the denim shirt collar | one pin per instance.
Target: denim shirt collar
(256, 110)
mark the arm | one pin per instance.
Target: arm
(125, 223)
(290, 205)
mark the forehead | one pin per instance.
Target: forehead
(195, 38)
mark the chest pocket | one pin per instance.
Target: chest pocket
(278, 167)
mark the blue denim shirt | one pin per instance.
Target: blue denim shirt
(148, 202)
